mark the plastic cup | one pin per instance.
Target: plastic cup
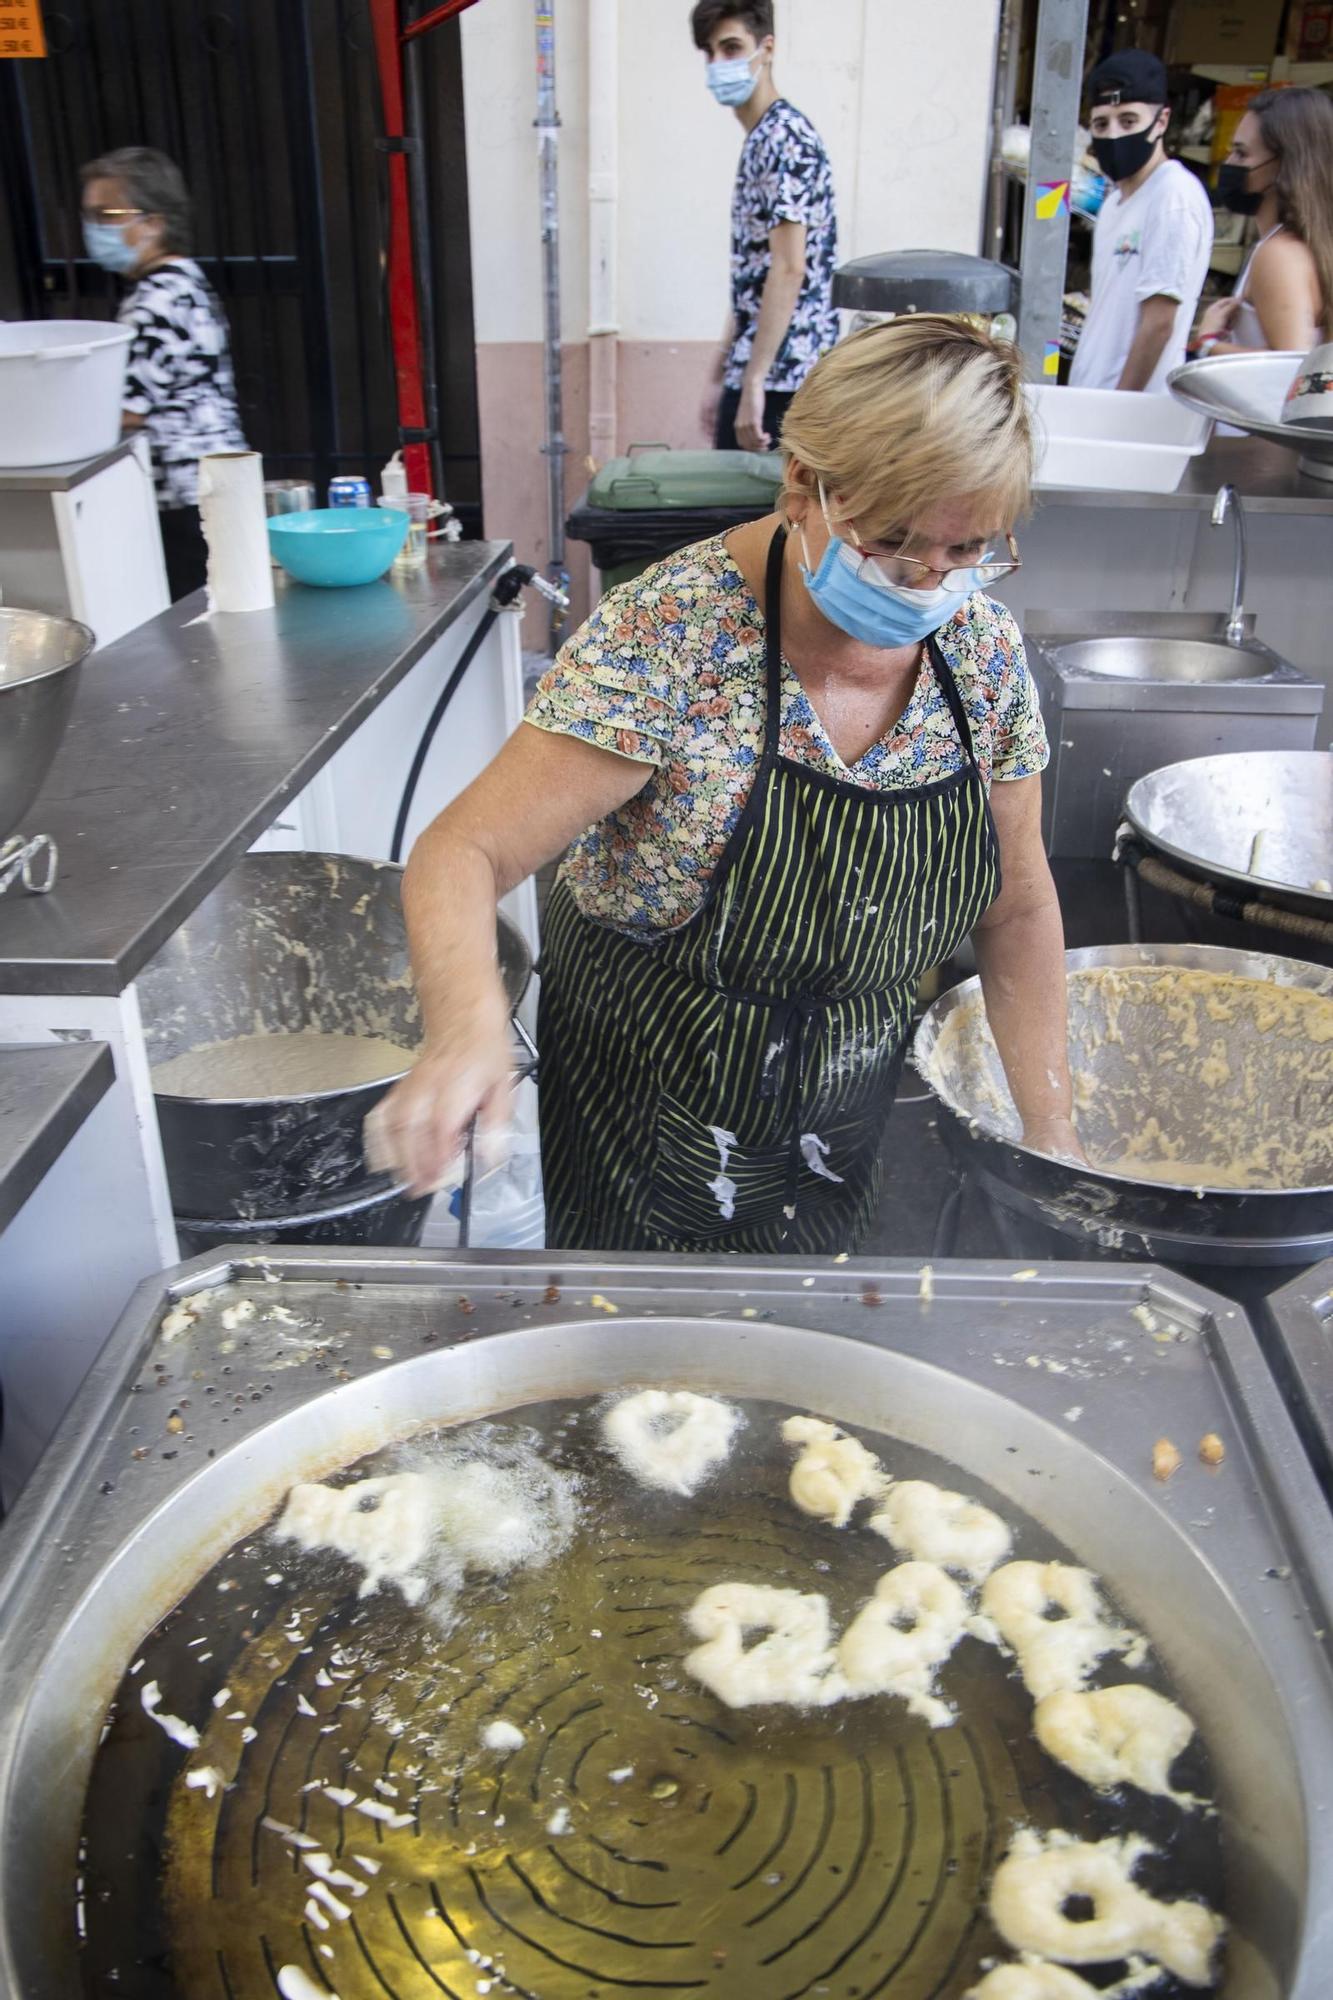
(418, 508)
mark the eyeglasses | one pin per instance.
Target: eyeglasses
(109, 214)
(907, 573)
(887, 567)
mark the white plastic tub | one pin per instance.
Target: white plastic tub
(62, 383)
(1113, 440)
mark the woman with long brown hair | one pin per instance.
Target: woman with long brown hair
(1280, 170)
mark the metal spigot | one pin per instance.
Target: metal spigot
(1227, 499)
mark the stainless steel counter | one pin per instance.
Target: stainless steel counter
(60, 478)
(187, 737)
(46, 1093)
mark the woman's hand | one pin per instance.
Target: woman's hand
(1056, 1136)
(419, 1131)
(1217, 320)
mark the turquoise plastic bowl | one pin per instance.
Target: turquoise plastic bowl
(334, 546)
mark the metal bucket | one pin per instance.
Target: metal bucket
(288, 942)
(40, 658)
(388, 1217)
(107, 1541)
(1106, 1209)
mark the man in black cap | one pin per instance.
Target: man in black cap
(1153, 237)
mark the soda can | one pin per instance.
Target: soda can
(349, 489)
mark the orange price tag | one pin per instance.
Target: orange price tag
(21, 31)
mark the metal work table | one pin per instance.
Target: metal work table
(61, 478)
(46, 1093)
(193, 738)
(188, 737)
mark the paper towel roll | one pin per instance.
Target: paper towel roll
(231, 508)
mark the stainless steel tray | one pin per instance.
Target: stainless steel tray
(1051, 1386)
(1299, 1342)
(1249, 391)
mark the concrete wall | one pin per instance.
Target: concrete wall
(901, 95)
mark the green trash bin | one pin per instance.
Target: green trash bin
(656, 501)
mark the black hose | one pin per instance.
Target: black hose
(506, 591)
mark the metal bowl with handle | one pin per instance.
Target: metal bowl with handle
(1121, 1081)
(1259, 822)
(40, 657)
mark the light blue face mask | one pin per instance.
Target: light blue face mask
(877, 613)
(106, 245)
(732, 81)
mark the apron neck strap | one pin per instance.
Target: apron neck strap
(773, 642)
(948, 687)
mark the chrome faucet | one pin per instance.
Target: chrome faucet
(1227, 499)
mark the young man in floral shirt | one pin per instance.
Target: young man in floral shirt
(784, 233)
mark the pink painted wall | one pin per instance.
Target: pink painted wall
(660, 393)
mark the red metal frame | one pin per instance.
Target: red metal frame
(404, 316)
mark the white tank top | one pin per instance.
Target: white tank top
(1246, 327)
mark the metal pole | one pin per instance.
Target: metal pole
(555, 448)
(1057, 81)
(1002, 116)
(423, 249)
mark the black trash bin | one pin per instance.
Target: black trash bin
(655, 501)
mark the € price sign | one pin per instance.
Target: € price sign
(21, 28)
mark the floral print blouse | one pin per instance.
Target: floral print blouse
(669, 671)
(783, 176)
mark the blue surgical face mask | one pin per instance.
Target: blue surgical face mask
(875, 612)
(106, 245)
(732, 81)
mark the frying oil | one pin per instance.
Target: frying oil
(371, 1827)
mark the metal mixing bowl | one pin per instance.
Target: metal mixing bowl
(1258, 821)
(1101, 1207)
(40, 657)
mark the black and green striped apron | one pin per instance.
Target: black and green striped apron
(725, 1085)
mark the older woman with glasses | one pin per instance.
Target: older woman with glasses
(798, 764)
(179, 388)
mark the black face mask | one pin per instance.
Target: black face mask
(1127, 154)
(1234, 190)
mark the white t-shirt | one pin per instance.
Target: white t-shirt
(1154, 243)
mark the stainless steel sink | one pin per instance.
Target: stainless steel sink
(1124, 693)
(1168, 659)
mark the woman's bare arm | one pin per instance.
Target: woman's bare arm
(524, 809)
(1020, 956)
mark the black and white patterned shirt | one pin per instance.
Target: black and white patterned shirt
(179, 378)
(783, 176)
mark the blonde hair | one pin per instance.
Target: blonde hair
(902, 416)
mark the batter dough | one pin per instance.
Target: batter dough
(424, 1530)
(833, 1471)
(893, 1646)
(1051, 1616)
(1181, 1076)
(792, 1661)
(280, 1066)
(1115, 1736)
(1038, 1879)
(937, 1526)
(670, 1439)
